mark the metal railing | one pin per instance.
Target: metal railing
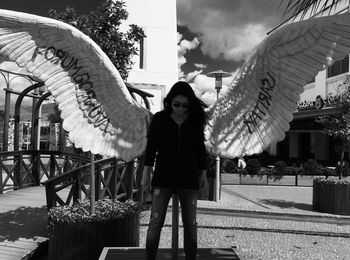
(21, 169)
(114, 179)
(66, 176)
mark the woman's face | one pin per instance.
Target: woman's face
(180, 105)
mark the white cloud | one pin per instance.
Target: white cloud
(204, 87)
(182, 48)
(16, 83)
(200, 65)
(189, 45)
(238, 42)
(226, 29)
(192, 75)
(229, 29)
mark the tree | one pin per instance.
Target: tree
(103, 26)
(338, 124)
(54, 116)
(295, 8)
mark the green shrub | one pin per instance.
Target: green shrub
(105, 210)
(321, 181)
(311, 167)
(327, 171)
(242, 171)
(228, 165)
(253, 166)
(291, 170)
(280, 168)
(265, 171)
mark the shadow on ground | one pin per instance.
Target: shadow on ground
(24, 222)
(283, 204)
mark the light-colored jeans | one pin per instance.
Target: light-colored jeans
(188, 200)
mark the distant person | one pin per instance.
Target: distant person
(176, 143)
(241, 163)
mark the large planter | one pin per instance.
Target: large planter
(77, 237)
(331, 196)
(87, 240)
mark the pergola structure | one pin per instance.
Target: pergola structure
(37, 91)
(35, 84)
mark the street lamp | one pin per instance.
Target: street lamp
(218, 75)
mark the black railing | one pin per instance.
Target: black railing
(66, 176)
(21, 169)
(114, 179)
(271, 180)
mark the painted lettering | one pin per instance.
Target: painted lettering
(87, 97)
(38, 50)
(101, 121)
(67, 65)
(254, 117)
(50, 53)
(86, 85)
(249, 123)
(81, 78)
(91, 93)
(60, 55)
(74, 66)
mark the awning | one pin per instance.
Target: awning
(312, 113)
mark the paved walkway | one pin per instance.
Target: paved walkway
(23, 222)
(23, 215)
(278, 202)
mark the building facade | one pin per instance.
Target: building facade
(155, 68)
(305, 139)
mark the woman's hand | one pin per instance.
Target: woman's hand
(146, 178)
(203, 182)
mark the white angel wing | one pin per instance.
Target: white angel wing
(257, 108)
(98, 111)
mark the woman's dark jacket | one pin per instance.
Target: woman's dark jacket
(177, 150)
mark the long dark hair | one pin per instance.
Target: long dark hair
(197, 113)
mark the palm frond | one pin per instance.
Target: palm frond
(295, 8)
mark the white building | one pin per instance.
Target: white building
(305, 138)
(155, 69)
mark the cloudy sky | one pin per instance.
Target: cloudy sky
(39, 7)
(212, 34)
(219, 35)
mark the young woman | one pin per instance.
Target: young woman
(176, 146)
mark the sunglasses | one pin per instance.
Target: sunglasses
(178, 104)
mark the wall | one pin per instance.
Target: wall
(323, 86)
(158, 20)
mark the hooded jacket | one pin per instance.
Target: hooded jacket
(176, 150)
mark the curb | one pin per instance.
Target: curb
(322, 218)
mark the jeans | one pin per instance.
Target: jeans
(188, 200)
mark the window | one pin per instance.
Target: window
(141, 53)
(138, 60)
(339, 67)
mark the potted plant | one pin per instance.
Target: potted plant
(331, 195)
(77, 234)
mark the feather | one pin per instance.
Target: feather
(269, 85)
(87, 87)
